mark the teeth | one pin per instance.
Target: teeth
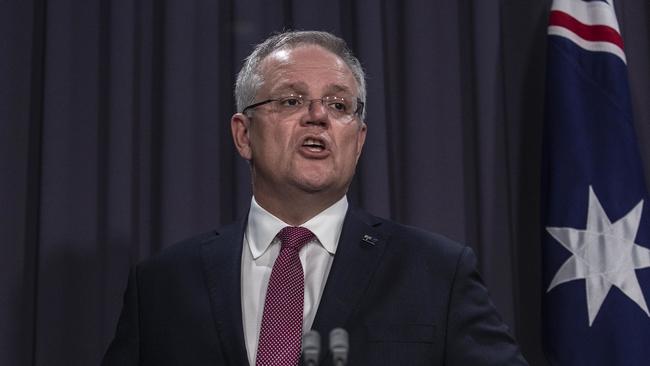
(313, 142)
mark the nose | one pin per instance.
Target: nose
(316, 113)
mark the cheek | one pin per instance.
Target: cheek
(263, 137)
(350, 143)
(271, 145)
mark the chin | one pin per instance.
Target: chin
(313, 187)
(319, 181)
(324, 187)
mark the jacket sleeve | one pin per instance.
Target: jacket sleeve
(124, 350)
(476, 334)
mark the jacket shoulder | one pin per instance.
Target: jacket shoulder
(187, 249)
(411, 237)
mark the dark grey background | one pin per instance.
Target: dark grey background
(115, 142)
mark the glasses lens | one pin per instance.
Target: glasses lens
(339, 108)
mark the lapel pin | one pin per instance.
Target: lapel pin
(370, 239)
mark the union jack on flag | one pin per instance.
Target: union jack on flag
(595, 207)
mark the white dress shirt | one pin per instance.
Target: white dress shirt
(261, 248)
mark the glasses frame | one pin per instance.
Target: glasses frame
(358, 112)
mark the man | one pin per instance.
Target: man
(303, 259)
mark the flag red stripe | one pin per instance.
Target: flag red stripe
(596, 33)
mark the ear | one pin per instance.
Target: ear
(240, 128)
(361, 138)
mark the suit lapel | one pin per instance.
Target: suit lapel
(359, 252)
(360, 248)
(222, 265)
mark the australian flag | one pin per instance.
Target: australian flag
(595, 207)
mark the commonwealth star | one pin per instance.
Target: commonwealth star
(604, 255)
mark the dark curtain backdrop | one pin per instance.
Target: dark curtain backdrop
(115, 142)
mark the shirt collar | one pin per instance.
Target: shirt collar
(263, 226)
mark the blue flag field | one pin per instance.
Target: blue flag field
(595, 206)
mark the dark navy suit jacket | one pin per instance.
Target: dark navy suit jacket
(405, 296)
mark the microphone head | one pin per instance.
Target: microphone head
(311, 347)
(339, 345)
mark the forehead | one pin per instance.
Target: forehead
(306, 69)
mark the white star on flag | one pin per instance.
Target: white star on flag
(604, 254)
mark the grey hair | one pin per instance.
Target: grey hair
(249, 79)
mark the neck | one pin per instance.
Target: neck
(295, 209)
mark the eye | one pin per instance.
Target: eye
(338, 104)
(291, 101)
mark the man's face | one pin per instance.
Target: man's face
(309, 151)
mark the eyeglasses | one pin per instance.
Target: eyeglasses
(340, 109)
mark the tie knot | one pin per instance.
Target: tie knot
(295, 237)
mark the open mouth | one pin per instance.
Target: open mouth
(314, 144)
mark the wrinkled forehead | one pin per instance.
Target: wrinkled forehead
(305, 69)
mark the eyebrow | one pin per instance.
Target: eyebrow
(333, 88)
(301, 88)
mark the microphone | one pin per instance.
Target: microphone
(339, 346)
(311, 348)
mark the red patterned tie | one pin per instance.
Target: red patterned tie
(281, 331)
